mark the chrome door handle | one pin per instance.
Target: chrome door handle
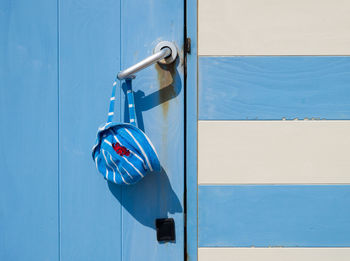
(165, 52)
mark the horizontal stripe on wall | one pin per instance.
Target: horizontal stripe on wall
(273, 27)
(274, 88)
(274, 215)
(273, 152)
(274, 254)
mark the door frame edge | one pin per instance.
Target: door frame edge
(191, 133)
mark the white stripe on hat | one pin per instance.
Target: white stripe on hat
(137, 156)
(96, 162)
(133, 166)
(127, 173)
(107, 141)
(143, 152)
(120, 173)
(104, 126)
(151, 144)
(118, 170)
(133, 153)
(103, 153)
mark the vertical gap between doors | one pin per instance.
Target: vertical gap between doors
(185, 128)
(58, 133)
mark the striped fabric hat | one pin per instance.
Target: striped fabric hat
(123, 153)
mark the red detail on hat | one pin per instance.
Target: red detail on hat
(120, 150)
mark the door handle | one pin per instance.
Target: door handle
(165, 52)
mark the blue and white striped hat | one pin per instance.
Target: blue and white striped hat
(123, 153)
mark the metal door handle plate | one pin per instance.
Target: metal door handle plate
(165, 53)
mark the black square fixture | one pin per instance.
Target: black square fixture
(165, 229)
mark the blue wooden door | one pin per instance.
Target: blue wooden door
(58, 60)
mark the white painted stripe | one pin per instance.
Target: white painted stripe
(112, 98)
(115, 83)
(273, 254)
(132, 120)
(131, 105)
(110, 113)
(273, 27)
(142, 151)
(273, 152)
(132, 152)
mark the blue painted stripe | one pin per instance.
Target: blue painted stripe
(274, 87)
(274, 215)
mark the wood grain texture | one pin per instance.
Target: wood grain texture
(273, 88)
(106, 221)
(274, 216)
(58, 62)
(29, 136)
(273, 27)
(273, 152)
(89, 60)
(273, 254)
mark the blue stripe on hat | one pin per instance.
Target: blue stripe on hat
(131, 103)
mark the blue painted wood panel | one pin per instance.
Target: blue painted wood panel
(58, 62)
(159, 101)
(29, 135)
(89, 60)
(97, 39)
(191, 132)
(274, 215)
(273, 87)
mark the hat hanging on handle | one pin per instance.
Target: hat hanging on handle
(123, 153)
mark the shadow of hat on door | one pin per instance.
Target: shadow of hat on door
(153, 197)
